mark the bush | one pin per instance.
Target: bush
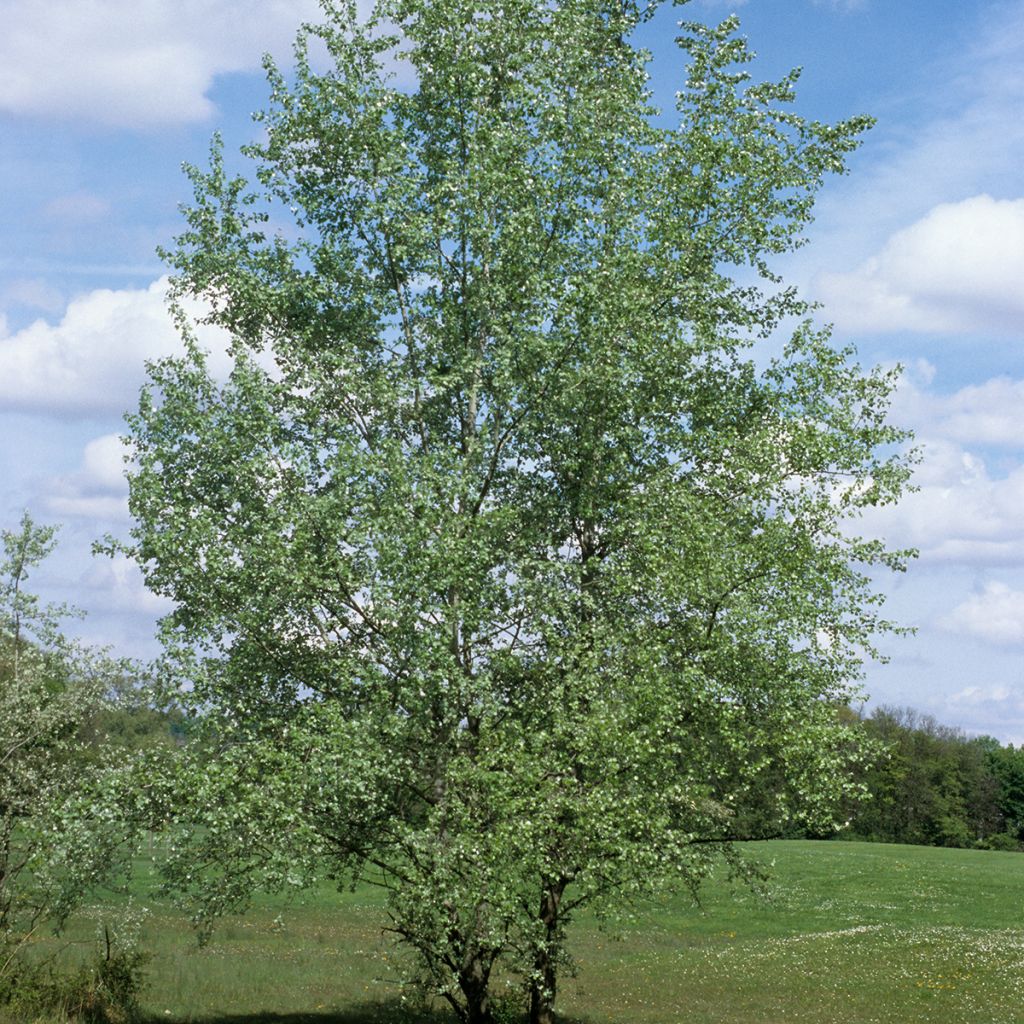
(1000, 841)
(103, 991)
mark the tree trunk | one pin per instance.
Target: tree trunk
(474, 982)
(542, 990)
(543, 987)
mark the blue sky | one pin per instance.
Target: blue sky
(917, 256)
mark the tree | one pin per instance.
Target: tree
(51, 689)
(507, 563)
(934, 786)
(1006, 765)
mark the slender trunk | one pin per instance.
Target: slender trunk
(543, 986)
(542, 990)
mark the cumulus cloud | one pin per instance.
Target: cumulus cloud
(957, 132)
(996, 614)
(963, 512)
(970, 482)
(960, 513)
(97, 489)
(957, 269)
(92, 362)
(116, 584)
(989, 413)
(132, 63)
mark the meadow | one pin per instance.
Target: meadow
(843, 932)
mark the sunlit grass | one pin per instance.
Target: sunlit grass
(845, 932)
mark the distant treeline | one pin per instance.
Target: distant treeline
(935, 786)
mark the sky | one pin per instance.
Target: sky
(916, 256)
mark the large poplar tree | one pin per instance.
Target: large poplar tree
(509, 564)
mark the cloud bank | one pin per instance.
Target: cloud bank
(943, 163)
(958, 269)
(990, 413)
(92, 363)
(996, 615)
(98, 489)
(134, 63)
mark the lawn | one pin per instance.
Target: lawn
(845, 932)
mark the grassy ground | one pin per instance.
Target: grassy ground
(850, 933)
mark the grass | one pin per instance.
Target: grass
(852, 933)
(847, 932)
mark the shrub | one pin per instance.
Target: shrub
(1000, 841)
(104, 990)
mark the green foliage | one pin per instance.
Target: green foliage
(1006, 765)
(54, 695)
(104, 991)
(1003, 841)
(935, 786)
(128, 723)
(506, 566)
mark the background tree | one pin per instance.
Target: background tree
(507, 563)
(935, 786)
(53, 692)
(1007, 766)
(919, 786)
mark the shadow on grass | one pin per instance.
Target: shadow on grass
(363, 1013)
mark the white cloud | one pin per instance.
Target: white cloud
(960, 513)
(953, 131)
(960, 268)
(103, 463)
(989, 413)
(974, 695)
(134, 62)
(97, 489)
(996, 615)
(91, 362)
(995, 708)
(117, 585)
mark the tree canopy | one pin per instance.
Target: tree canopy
(508, 562)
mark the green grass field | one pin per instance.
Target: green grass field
(847, 932)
